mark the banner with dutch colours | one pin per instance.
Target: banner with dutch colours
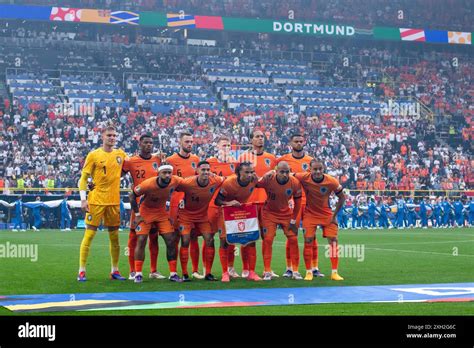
(241, 224)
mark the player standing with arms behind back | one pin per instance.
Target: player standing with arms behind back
(104, 166)
(299, 163)
(262, 162)
(141, 167)
(184, 165)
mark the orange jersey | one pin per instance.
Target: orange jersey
(297, 165)
(231, 189)
(278, 196)
(317, 194)
(183, 167)
(155, 199)
(262, 163)
(223, 169)
(197, 197)
(141, 168)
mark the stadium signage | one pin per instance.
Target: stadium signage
(312, 28)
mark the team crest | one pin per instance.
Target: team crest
(289, 192)
(119, 160)
(267, 162)
(232, 167)
(323, 190)
(241, 226)
(155, 166)
(89, 217)
(193, 164)
(212, 190)
(138, 228)
(251, 189)
(305, 166)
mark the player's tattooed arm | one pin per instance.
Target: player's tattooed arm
(219, 201)
(133, 203)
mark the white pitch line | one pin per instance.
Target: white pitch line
(418, 252)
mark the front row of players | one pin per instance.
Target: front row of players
(202, 215)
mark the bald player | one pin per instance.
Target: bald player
(299, 162)
(152, 213)
(318, 187)
(224, 166)
(280, 188)
(236, 191)
(141, 167)
(184, 165)
(263, 162)
(198, 192)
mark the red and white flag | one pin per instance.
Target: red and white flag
(241, 224)
(408, 34)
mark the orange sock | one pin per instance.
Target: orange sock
(172, 265)
(294, 252)
(203, 254)
(138, 266)
(209, 257)
(334, 256)
(314, 262)
(308, 255)
(153, 247)
(184, 257)
(194, 246)
(267, 254)
(231, 254)
(223, 256)
(288, 254)
(251, 257)
(245, 258)
(132, 244)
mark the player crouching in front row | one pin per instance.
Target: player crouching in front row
(153, 214)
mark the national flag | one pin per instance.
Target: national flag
(180, 20)
(408, 34)
(386, 33)
(124, 17)
(65, 14)
(25, 12)
(95, 16)
(458, 37)
(440, 36)
(241, 224)
(209, 22)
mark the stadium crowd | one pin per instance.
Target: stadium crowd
(362, 13)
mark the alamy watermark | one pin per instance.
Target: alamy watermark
(348, 251)
(405, 108)
(75, 108)
(22, 251)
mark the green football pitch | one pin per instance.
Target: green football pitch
(391, 257)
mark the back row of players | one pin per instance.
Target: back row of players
(286, 190)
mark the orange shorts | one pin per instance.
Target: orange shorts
(185, 227)
(213, 216)
(269, 224)
(132, 224)
(310, 225)
(151, 223)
